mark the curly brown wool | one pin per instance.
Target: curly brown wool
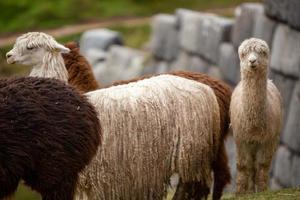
(49, 133)
(79, 70)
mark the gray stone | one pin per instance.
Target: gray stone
(245, 19)
(283, 166)
(164, 40)
(231, 152)
(229, 63)
(285, 86)
(274, 185)
(100, 39)
(293, 14)
(264, 28)
(215, 72)
(150, 65)
(291, 134)
(277, 9)
(96, 56)
(286, 50)
(192, 62)
(189, 31)
(296, 171)
(202, 33)
(162, 67)
(122, 63)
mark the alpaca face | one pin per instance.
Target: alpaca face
(254, 55)
(31, 49)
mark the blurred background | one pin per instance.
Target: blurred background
(123, 39)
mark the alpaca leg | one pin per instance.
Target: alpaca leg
(191, 190)
(245, 166)
(64, 191)
(263, 162)
(221, 173)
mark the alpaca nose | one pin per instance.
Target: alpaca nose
(252, 60)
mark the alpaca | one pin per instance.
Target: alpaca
(152, 129)
(49, 133)
(256, 117)
(220, 164)
(79, 70)
(42, 52)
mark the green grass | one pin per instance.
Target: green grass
(285, 194)
(24, 15)
(24, 193)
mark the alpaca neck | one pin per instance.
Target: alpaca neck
(255, 96)
(53, 66)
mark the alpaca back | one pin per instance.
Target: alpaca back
(152, 129)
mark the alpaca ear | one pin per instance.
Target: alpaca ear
(61, 48)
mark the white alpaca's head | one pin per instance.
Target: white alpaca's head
(31, 49)
(254, 56)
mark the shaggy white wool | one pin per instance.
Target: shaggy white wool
(152, 129)
(256, 117)
(42, 52)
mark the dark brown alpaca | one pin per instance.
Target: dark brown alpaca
(220, 165)
(79, 70)
(49, 133)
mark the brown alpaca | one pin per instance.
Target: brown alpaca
(80, 71)
(256, 117)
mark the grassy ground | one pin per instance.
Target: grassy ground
(47, 14)
(285, 194)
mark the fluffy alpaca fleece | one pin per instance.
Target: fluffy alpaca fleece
(256, 117)
(42, 52)
(80, 71)
(152, 129)
(220, 164)
(49, 133)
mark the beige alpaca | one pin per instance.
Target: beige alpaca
(256, 117)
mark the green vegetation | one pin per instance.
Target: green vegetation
(286, 194)
(25, 193)
(24, 15)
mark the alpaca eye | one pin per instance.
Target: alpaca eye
(264, 53)
(29, 48)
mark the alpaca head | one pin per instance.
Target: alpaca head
(254, 56)
(31, 49)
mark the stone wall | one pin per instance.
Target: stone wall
(207, 43)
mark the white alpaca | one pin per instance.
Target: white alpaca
(151, 129)
(256, 117)
(42, 52)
